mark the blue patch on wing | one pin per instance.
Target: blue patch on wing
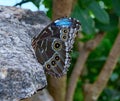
(63, 22)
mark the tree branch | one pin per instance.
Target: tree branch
(84, 53)
(22, 2)
(92, 91)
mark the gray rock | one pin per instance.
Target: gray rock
(41, 96)
(20, 73)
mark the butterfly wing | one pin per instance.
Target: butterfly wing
(53, 45)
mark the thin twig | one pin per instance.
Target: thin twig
(22, 2)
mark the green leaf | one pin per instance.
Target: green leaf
(36, 3)
(108, 27)
(48, 4)
(86, 21)
(107, 3)
(99, 13)
(116, 6)
(84, 3)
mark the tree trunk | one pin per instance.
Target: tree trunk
(57, 87)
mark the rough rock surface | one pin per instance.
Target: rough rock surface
(20, 73)
(40, 96)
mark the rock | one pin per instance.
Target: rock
(40, 96)
(20, 73)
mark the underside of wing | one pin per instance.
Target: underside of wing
(53, 45)
(52, 54)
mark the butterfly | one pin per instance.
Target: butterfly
(54, 44)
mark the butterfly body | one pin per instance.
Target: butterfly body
(53, 45)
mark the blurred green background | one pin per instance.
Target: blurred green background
(94, 15)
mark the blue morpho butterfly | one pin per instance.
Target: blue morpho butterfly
(53, 45)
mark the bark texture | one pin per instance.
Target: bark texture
(20, 73)
(62, 8)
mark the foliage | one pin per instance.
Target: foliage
(95, 15)
(48, 4)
